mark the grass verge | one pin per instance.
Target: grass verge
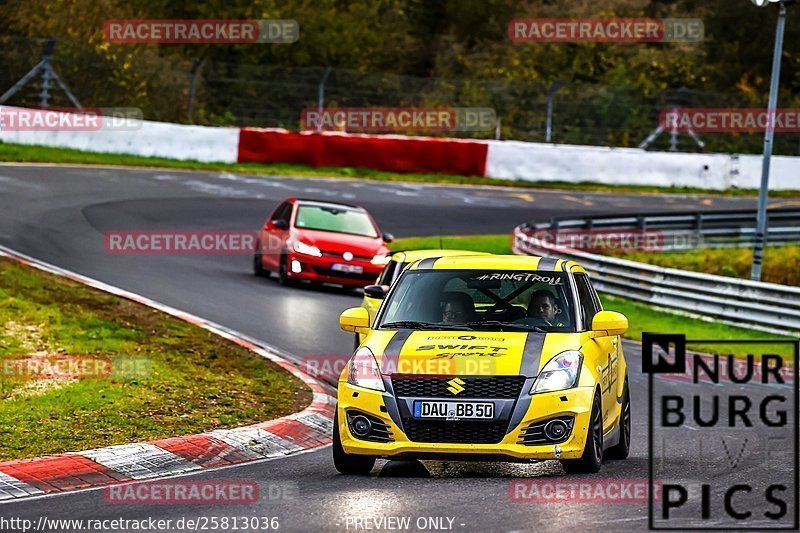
(167, 376)
(779, 266)
(641, 317)
(42, 154)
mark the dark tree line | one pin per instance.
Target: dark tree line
(415, 52)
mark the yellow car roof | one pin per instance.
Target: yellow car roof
(410, 256)
(498, 262)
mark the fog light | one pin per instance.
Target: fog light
(296, 266)
(555, 430)
(361, 426)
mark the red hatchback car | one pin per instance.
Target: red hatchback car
(322, 242)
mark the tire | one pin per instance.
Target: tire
(283, 276)
(622, 449)
(592, 458)
(258, 265)
(351, 465)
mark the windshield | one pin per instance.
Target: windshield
(480, 300)
(338, 219)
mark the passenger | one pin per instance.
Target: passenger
(457, 308)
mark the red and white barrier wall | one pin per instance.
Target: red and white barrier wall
(513, 160)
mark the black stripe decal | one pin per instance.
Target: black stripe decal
(389, 362)
(532, 354)
(427, 263)
(522, 405)
(547, 263)
(391, 355)
(391, 404)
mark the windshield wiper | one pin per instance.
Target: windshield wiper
(499, 324)
(410, 324)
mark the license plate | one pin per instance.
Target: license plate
(454, 410)
(349, 269)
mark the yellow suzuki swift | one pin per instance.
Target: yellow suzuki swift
(485, 358)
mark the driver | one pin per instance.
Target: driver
(543, 306)
(457, 308)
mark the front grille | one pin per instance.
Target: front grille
(474, 387)
(461, 432)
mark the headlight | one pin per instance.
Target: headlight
(364, 370)
(561, 372)
(381, 259)
(302, 248)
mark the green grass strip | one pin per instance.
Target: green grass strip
(168, 377)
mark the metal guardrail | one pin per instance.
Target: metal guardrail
(690, 230)
(756, 305)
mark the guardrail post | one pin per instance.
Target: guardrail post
(698, 224)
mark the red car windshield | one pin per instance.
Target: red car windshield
(340, 220)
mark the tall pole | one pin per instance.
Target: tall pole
(47, 57)
(761, 230)
(193, 86)
(548, 135)
(321, 96)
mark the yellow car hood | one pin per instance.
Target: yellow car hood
(467, 353)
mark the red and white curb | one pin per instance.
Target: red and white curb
(310, 428)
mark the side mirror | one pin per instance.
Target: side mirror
(375, 291)
(388, 237)
(611, 322)
(354, 320)
(280, 224)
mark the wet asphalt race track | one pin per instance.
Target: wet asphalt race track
(59, 215)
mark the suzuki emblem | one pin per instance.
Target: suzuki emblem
(456, 386)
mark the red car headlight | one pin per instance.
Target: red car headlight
(306, 249)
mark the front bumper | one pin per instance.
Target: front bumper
(319, 270)
(574, 402)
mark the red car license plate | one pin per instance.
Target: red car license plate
(348, 269)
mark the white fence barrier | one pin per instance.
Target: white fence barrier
(632, 166)
(139, 137)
